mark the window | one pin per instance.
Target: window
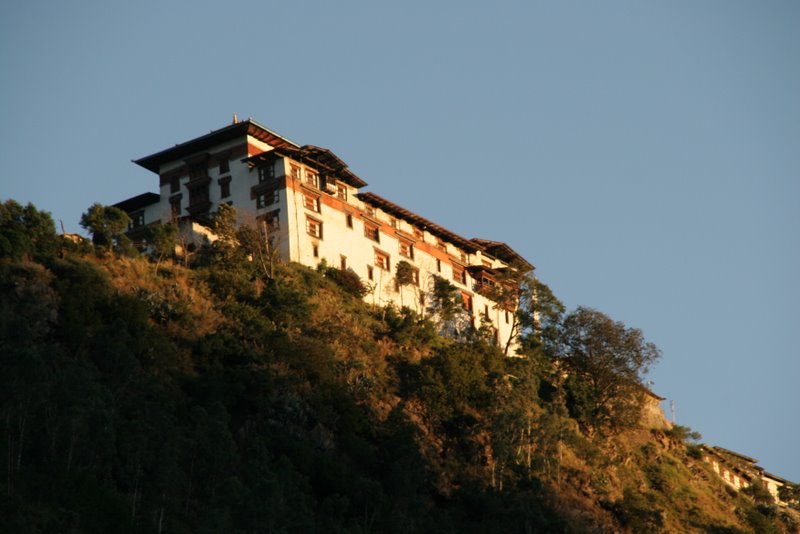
(341, 191)
(459, 275)
(198, 194)
(371, 231)
(370, 211)
(312, 178)
(314, 227)
(137, 220)
(370, 272)
(174, 184)
(315, 251)
(268, 198)
(266, 173)
(466, 301)
(295, 172)
(463, 256)
(198, 171)
(438, 266)
(272, 220)
(486, 311)
(224, 187)
(311, 202)
(415, 276)
(175, 206)
(343, 263)
(407, 249)
(393, 222)
(349, 220)
(441, 245)
(506, 316)
(419, 234)
(224, 166)
(382, 260)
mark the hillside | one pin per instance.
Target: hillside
(214, 394)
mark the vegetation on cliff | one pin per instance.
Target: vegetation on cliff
(239, 395)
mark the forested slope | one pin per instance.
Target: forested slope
(221, 394)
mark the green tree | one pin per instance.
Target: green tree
(28, 304)
(404, 276)
(25, 231)
(347, 279)
(536, 312)
(546, 313)
(790, 494)
(638, 512)
(107, 224)
(759, 492)
(446, 307)
(458, 386)
(605, 360)
(225, 227)
(163, 238)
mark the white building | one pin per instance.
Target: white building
(314, 205)
(739, 471)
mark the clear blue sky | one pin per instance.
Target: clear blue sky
(644, 156)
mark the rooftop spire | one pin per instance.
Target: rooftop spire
(235, 119)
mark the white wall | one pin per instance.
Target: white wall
(337, 239)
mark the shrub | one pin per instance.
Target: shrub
(683, 433)
(348, 280)
(662, 477)
(694, 451)
(759, 492)
(638, 513)
(760, 519)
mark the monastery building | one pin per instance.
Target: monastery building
(313, 208)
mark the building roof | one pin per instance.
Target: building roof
(504, 252)
(477, 270)
(494, 248)
(138, 202)
(776, 478)
(653, 394)
(322, 158)
(153, 162)
(735, 454)
(423, 223)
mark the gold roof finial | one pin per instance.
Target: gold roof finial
(235, 119)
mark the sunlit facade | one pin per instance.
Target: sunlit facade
(314, 209)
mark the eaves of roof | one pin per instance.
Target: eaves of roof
(423, 223)
(776, 478)
(153, 162)
(322, 158)
(735, 454)
(504, 252)
(138, 202)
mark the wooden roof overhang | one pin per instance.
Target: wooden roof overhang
(138, 202)
(476, 270)
(735, 454)
(776, 478)
(423, 223)
(504, 252)
(322, 158)
(649, 392)
(181, 151)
